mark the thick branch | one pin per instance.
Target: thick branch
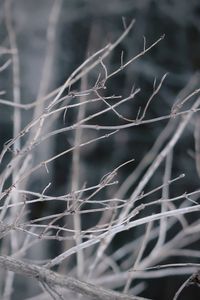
(54, 279)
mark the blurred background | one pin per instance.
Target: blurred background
(83, 27)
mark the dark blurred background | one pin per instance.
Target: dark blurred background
(84, 27)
